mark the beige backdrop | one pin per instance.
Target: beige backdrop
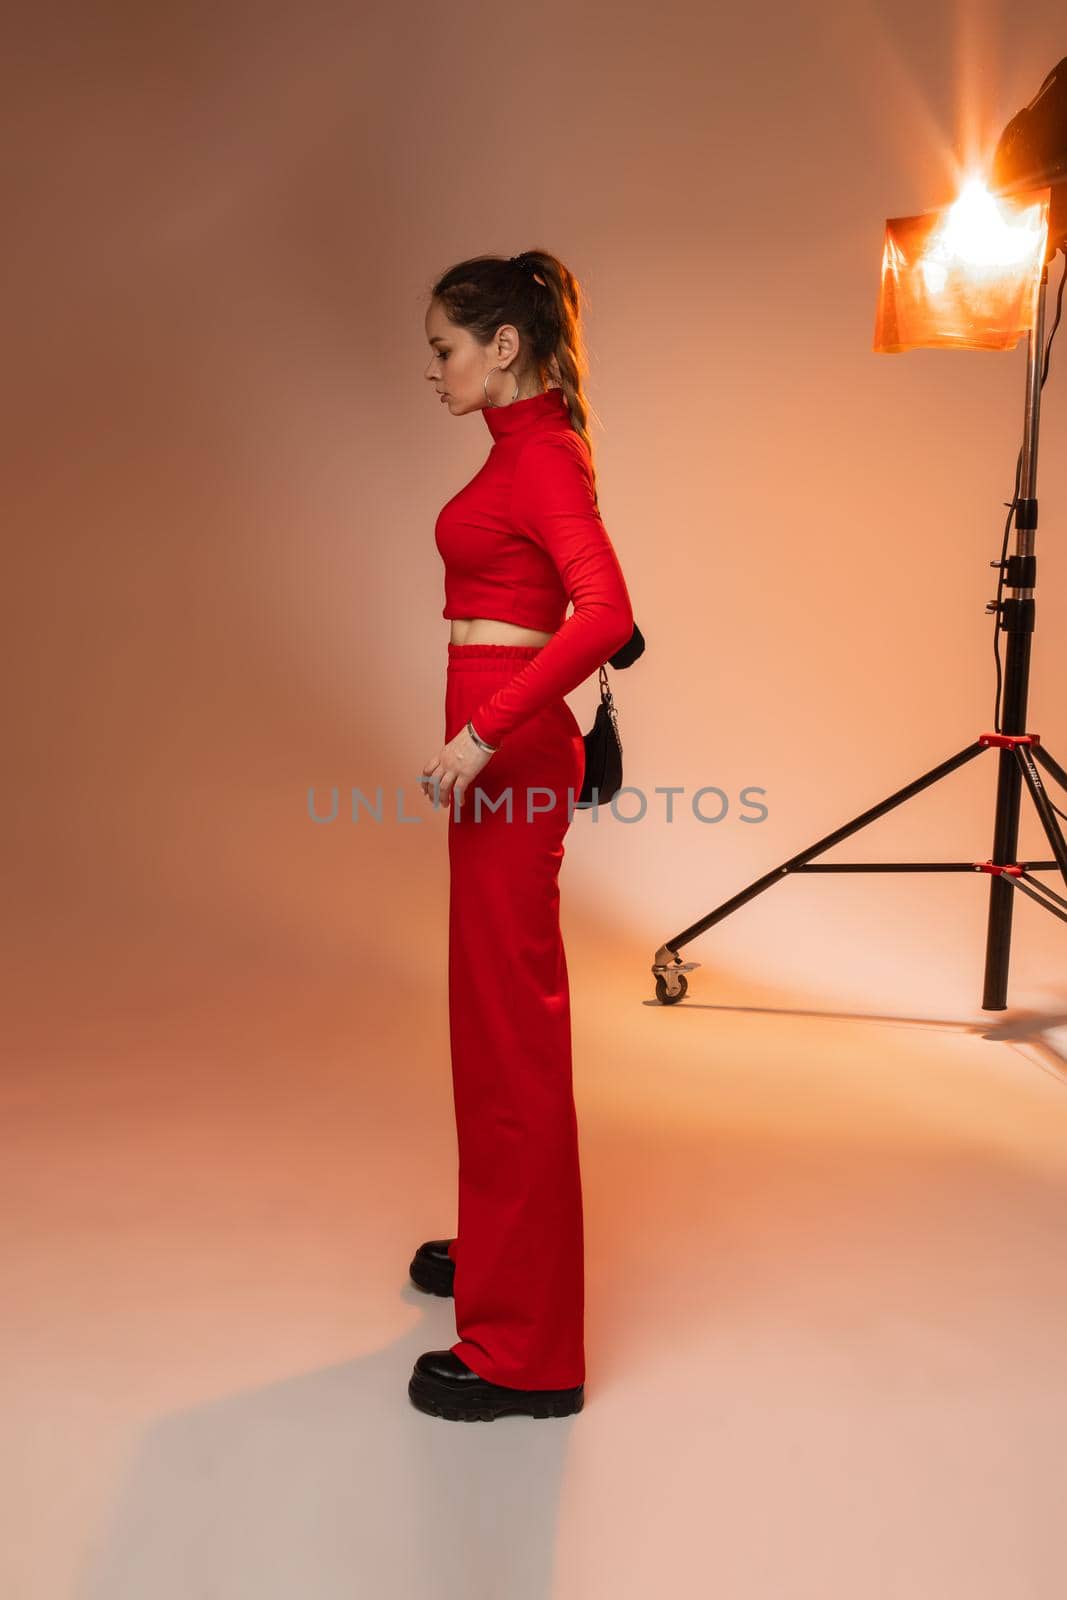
(224, 469)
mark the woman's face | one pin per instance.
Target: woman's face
(458, 363)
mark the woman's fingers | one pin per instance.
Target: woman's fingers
(437, 784)
(444, 776)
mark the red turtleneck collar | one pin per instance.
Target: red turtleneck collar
(550, 404)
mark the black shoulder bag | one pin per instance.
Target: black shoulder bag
(603, 746)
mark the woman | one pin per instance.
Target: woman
(519, 541)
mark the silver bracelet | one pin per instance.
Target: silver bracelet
(492, 748)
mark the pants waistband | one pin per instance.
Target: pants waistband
(474, 655)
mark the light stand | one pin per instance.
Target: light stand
(1016, 759)
(1018, 751)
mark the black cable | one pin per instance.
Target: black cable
(1012, 505)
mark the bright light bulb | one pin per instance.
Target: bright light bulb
(977, 237)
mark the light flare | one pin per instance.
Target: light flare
(979, 236)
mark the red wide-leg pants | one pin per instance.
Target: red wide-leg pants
(519, 1279)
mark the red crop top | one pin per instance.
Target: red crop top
(522, 539)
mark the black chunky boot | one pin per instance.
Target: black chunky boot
(432, 1268)
(444, 1386)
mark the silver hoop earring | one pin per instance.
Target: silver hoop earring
(485, 382)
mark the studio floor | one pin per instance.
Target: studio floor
(826, 1316)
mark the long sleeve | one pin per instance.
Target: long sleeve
(552, 501)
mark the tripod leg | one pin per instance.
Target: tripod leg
(1050, 765)
(776, 875)
(1044, 810)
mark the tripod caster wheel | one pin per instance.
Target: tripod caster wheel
(666, 999)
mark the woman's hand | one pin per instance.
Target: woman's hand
(458, 764)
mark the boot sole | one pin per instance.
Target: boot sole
(441, 1400)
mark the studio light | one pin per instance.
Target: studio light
(973, 276)
(1032, 150)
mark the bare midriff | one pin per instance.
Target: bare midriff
(488, 630)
